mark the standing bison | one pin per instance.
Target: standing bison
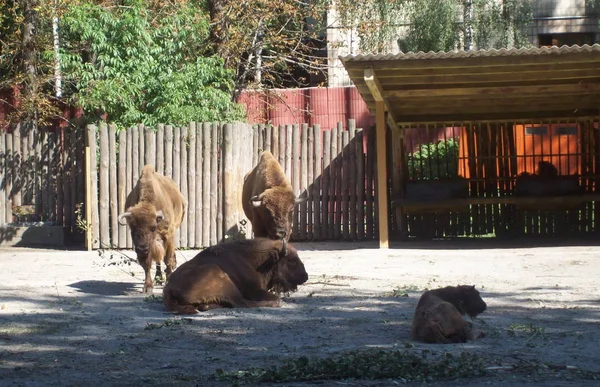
(154, 210)
(439, 315)
(237, 274)
(268, 199)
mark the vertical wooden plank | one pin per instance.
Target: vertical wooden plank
(298, 170)
(345, 186)
(160, 149)
(244, 167)
(177, 174)
(318, 180)
(191, 185)
(183, 184)
(216, 216)
(228, 198)
(122, 186)
(150, 147)
(135, 154)
(370, 185)
(130, 183)
(289, 146)
(219, 182)
(256, 145)
(325, 175)
(17, 161)
(206, 186)
(43, 159)
(113, 186)
(80, 170)
(92, 216)
(310, 181)
(360, 186)
(333, 185)
(9, 177)
(66, 179)
(339, 183)
(198, 193)
(352, 158)
(53, 179)
(36, 139)
(169, 151)
(267, 139)
(4, 162)
(281, 150)
(103, 224)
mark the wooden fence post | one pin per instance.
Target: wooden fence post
(228, 197)
(122, 194)
(103, 224)
(206, 186)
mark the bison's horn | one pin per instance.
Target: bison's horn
(283, 252)
(122, 218)
(302, 197)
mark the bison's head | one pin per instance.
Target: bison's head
(145, 222)
(285, 268)
(470, 301)
(275, 208)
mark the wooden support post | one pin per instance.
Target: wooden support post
(382, 200)
(88, 194)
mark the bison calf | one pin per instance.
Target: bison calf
(237, 274)
(439, 315)
(155, 209)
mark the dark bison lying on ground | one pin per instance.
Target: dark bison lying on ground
(154, 210)
(268, 199)
(237, 274)
(439, 315)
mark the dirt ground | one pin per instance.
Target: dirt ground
(74, 318)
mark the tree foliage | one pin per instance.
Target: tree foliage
(269, 43)
(436, 25)
(143, 65)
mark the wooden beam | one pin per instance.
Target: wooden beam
(373, 85)
(382, 199)
(506, 116)
(548, 68)
(492, 108)
(481, 81)
(494, 100)
(579, 88)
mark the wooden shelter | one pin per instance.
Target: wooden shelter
(487, 94)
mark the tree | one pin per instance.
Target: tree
(437, 25)
(140, 62)
(269, 43)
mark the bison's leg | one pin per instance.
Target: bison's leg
(170, 259)
(158, 276)
(147, 265)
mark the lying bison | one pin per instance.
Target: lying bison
(268, 199)
(439, 315)
(237, 274)
(154, 210)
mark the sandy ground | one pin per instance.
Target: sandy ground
(73, 318)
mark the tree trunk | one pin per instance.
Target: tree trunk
(468, 24)
(28, 61)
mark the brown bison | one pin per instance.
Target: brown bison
(154, 210)
(236, 274)
(439, 315)
(268, 199)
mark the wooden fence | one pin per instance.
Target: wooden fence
(208, 162)
(41, 176)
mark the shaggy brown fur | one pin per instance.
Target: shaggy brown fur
(237, 274)
(268, 199)
(439, 315)
(154, 210)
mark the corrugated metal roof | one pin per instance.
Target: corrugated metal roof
(554, 50)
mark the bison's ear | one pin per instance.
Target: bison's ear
(159, 216)
(123, 218)
(302, 197)
(256, 201)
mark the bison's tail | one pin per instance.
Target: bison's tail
(173, 304)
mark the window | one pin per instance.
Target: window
(566, 130)
(536, 130)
